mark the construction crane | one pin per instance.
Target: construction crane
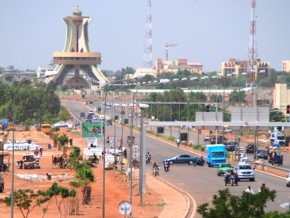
(167, 45)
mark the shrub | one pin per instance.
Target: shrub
(202, 148)
(196, 146)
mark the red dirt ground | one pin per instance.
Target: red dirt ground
(116, 190)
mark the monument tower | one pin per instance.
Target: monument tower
(76, 65)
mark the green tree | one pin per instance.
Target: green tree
(237, 97)
(63, 140)
(31, 105)
(277, 116)
(74, 157)
(60, 193)
(63, 114)
(24, 200)
(224, 204)
(43, 198)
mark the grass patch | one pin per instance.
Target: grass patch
(161, 204)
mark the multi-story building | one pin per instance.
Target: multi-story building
(163, 66)
(235, 68)
(281, 97)
(286, 66)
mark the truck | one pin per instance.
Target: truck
(278, 138)
(215, 154)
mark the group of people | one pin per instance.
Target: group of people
(262, 188)
(232, 178)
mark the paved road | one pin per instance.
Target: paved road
(200, 182)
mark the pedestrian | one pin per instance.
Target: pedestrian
(249, 190)
(178, 142)
(263, 187)
(236, 178)
(227, 178)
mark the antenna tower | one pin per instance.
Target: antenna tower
(148, 38)
(252, 52)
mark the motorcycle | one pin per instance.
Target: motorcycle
(231, 180)
(199, 162)
(166, 166)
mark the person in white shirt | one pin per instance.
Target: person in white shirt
(177, 142)
(249, 190)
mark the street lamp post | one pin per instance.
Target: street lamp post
(130, 156)
(114, 114)
(142, 171)
(131, 150)
(104, 159)
(142, 175)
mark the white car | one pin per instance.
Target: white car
(245, 171)
(206, 138)
(227, 130)
(60, 124)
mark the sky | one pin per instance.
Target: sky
(206, 31)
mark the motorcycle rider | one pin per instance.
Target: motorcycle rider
(148, 157)
(201, 160)
(155, 167)
(166, 165)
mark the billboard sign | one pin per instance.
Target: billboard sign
(95, 130)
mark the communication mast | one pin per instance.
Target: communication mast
(252, 51)
(148, 38)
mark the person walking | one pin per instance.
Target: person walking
(178, 142)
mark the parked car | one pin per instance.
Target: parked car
(183, 158)
(223, 168)
(1, 183)
(262, 154)
(60, 124)
(250, 148)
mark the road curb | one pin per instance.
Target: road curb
(190, 201)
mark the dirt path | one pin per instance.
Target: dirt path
(116, 185)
